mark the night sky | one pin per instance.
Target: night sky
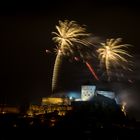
(25, 32)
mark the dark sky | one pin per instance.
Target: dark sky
(25, 32)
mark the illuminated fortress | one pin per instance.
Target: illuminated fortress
(66, 101)
(87, 93)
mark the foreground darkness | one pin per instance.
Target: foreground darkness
(99, 118)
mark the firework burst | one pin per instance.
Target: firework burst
(68, 33)
(112, 55)
(72, 40)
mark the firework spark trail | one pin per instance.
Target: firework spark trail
(124, 108)
(92, 71)
(112, 54)
(68, 34)
(57, 66)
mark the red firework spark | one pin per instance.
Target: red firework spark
(92, 71)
